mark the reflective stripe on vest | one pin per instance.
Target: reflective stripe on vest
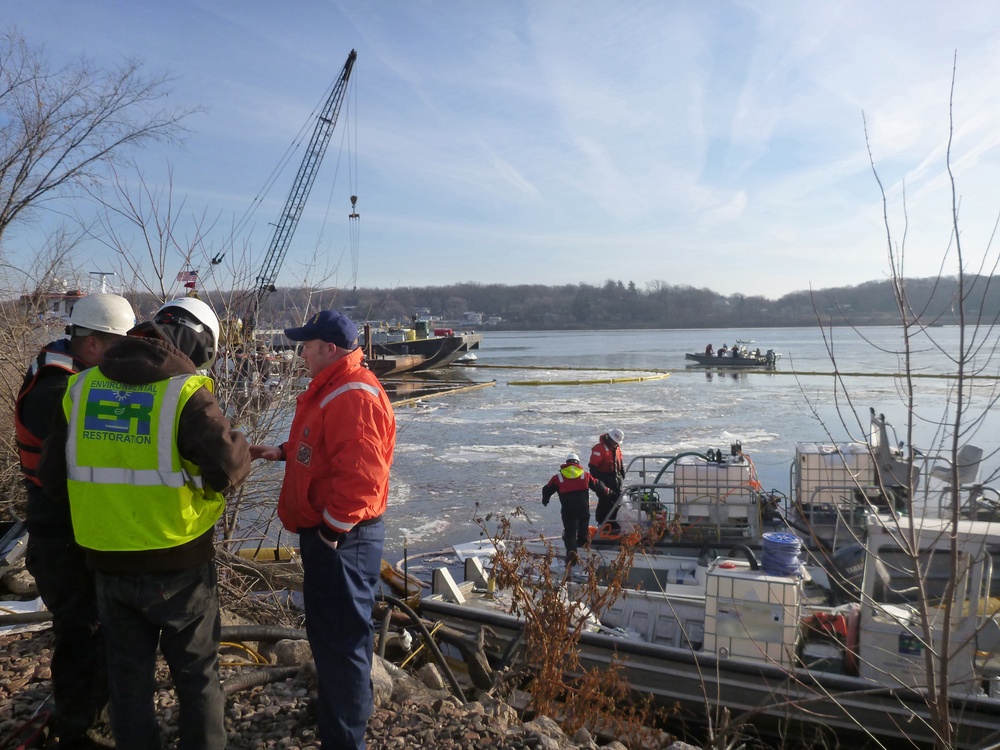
(160, 500)
(572, 479)
(163, 476)
(57, 359)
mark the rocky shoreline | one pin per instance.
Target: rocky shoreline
(279, 714)
(269, 680)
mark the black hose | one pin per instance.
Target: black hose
(384, 632)
(747, 553)
(438, 656)
(267, 633)
(25, 618)
(254, 678)
(508, 652)
(673, 460)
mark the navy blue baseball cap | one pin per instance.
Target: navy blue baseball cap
(327, 325)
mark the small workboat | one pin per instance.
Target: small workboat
(740, 355)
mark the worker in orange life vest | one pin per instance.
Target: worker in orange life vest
(54, 559)
(573, 485)
(606, 464)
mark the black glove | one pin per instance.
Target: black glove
(545, 501)
(331, 537)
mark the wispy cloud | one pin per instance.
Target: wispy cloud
(562, 141)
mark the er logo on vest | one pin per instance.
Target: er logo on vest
(123, 411)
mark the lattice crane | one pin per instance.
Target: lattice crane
(296, 202)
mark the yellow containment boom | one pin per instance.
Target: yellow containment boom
(593, 381)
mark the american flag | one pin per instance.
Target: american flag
(187, 277)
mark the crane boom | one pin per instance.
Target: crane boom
(304, 180)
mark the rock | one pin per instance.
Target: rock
(19, 581)
(548, 732)
(407, 688)
(381, 682)
(430, 675)
(288, 653)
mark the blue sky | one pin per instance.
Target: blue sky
(715, 144)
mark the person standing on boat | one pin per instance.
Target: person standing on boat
(573, 485)
(338, 455)
(54, 559)
(142, 454)
(607, 465)
(709, 351)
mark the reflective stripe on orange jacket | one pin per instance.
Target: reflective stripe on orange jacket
(606, 459)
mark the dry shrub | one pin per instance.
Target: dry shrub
(556, 608)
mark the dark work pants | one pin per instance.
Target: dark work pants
(576, 523)
(180, 612)
(339, 594)
(79, 673)
(604, 512)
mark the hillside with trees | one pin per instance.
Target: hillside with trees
(624, 305)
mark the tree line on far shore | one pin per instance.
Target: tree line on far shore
(624, 305)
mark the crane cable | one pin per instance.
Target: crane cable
(351, 155)
(354, 218)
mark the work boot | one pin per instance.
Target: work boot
(572, 558)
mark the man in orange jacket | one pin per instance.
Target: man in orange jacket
(338, 455)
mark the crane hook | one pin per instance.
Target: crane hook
(354, 214)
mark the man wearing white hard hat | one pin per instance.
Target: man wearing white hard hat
(143, 455)
(606, 464)
(573, 485)
(79, 675)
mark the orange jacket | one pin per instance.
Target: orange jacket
(607, 459)
(339, 450)
(54, 359)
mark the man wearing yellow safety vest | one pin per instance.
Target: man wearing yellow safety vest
(143, 456)
(574, 484)
(54, 559)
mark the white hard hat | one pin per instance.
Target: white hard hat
(572, 458)
(107, 313)
(617, 435)
(200, 312)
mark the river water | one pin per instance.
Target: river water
(492, 449)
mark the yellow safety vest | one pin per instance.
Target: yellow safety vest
(129, 488)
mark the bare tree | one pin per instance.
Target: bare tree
(62, 127)
(971, 392)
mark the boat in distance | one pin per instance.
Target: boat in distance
(739, 356)
(428, 350)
